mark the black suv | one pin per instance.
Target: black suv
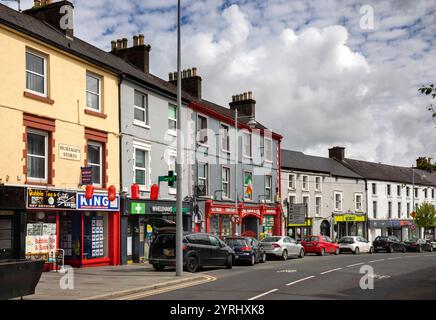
(388, 244)
(199, 249)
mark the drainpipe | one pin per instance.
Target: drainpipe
(121, 224)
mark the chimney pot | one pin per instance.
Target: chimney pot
(183, 74)
(125, 43)
(250, 95)
(113, 45)
(245, 95)
(189, 73)
(135, 41)
(337, 153)
(194, 72)
(141, 39)
(119, 44)
(170, 76)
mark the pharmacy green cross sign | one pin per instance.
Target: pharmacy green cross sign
(137, 208)
(171, 178)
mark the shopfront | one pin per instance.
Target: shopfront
(403, 229)
(350, 224)
(136, 229)
(299, 231)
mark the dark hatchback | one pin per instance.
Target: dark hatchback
(388, 244)
(418, 245)
(247, 249)
(199, 250)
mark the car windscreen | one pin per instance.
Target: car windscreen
(346, 240)
(271, 239)
(236, 242)
(310, 239)
(379, 238)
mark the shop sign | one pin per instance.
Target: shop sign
(166, 209)
(270, 211)
(69, 152)
(297, 213)
(40, 238)
(137, 208)
(141, 208)
(350, 218)
(86, 173)
(307, 223)
(222, 210)
(251, 211)
(98, 202)
(50, 199)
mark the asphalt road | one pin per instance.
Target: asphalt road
(395, 276)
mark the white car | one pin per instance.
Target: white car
(355, 244)
(283, 247)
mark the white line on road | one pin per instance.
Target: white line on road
(328, 271)
(263, 294)
(297, 281)
(396, 258)
(376, 260)
(356, 264)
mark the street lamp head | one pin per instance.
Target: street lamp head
(252, 123)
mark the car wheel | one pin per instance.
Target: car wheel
(229, 264)
(301, 255)
(336, 251)
(263, 260)
(390, 249)
(192, 265)
(371, 250)
(253, 260)
(431, 249)
(322, 252)
(356, 251)
(158, 267)
(404, 249)
(284, 255)
(419, 249)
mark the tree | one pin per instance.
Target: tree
(424, 163)
(430, 90)
(425, 215)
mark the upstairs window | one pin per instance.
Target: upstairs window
(399, 191)
(291, 181)
(338, 201)
(388, 189)
(172, 118)
(268, 188)
(140, 108)
(226, 182)
(248, 185)
(141, 166)
(407, 191)
(93, 89)
(318, 206)
(358, 202)
(95, 162)
(202, 129)
(203, 176)
(37, 155)
(374, 209)
(268, 149)
(225, 138)
(36, 73)
(374, 188)
(318, 183)
(247, 144)
(305, 183)
(390, 209)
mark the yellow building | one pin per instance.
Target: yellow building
(58, 113)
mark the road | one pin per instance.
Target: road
(395, 276)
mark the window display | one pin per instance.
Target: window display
(40, 235)
(95, 239)
(268, 225)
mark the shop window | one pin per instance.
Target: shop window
(95, 161)
(37, 156)
(268, 225)
(36, 73)
(226, 182)
(225, 138)
(202, 129)
(172, 118)
(268, 188)
(40, 235)
(95, 237)
(140, 109)
(93, 92)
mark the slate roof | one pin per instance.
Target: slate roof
(299, 161)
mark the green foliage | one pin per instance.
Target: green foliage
(428, 90)
(424, 163)
(425, 215)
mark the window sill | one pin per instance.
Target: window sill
(172, 132)
(225, 151)
(172, 191)
(40, 184)
(141, 124)
(204, 145)
(38, 97)
(95, 113)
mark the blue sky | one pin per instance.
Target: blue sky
(319, 79)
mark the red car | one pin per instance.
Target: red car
(319, 245)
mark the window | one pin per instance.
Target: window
(248, 185)
(374, 188)
(268, 149)
(291, 199)
(37, 155)
(95, 162)
(203, 176)
(225, 138)
(318, 206)
(399, 191)
(268, 188)
(318, 183)
(172, 157)
(141, 166)
(399, 210)
(140, 108)
(425, 193)
(226, 182)
(305, 183)
(389, 209)
(374, 209)
(202, 129)
(36, 69)
(432, 193)
(306, 202)
(338, 201)
(416, 192)
(172, 118)
(247, 144)
(408, 210)
(93, 89)
(358, 201)
(416, 206)
(407, 191)
(388, 189)
(291, 181)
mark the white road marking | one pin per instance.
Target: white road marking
(396, 258)
(413, 256)
(328, 271)
(376, 260)
(263, 294)
(297, 281)
(356, 264)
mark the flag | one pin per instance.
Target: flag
(249, 189)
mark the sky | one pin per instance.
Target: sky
(323, 72)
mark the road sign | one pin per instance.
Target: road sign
(235, 218)
(413, 227)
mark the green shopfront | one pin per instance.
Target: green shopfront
(138, 229)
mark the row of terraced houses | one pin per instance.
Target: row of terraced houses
(73, 115)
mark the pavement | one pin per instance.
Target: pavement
(113, 282)
(395, 276)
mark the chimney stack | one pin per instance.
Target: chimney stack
(191, 82)
(244, 103)
(337, 153)
(137, 55)
(57, 14)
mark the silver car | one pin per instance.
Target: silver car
(283, 247)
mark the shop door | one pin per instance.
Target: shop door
(6, 237)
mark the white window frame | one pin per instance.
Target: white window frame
(356, 202)
(100, 79)
(270, 187)
(100, 145)
(408, 206)
(205, 131)
(375, 209)
(270, 154)
(389, 190)
(294, 181)
(172, 154)
(399, 209)
(45, 135)
(172, 132)
(401, 191)
(243, 182)
(308, 201)
(228, 182)
(319, 188)
(136, 122)
(147, 148)
(407, 192)
(302, 183)
(244, 134)
(390, 210)
(228, 137)
(373, 188)
(292, 195)
(318, 207)
(45, 59)
(341, 200)
(206, 178)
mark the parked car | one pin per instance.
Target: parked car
(432, 243)
(388, 244)
(247, 249)
(319, 245)
(355, 244)
(199, 250)
(282, 247)
(418, 245)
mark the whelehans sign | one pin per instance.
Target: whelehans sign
(98, 202)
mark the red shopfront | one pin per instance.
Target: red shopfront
(249, 220)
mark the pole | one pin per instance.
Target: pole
(236, 162)
(179, 217)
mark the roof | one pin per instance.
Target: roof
(385, 172)
(299, 161)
